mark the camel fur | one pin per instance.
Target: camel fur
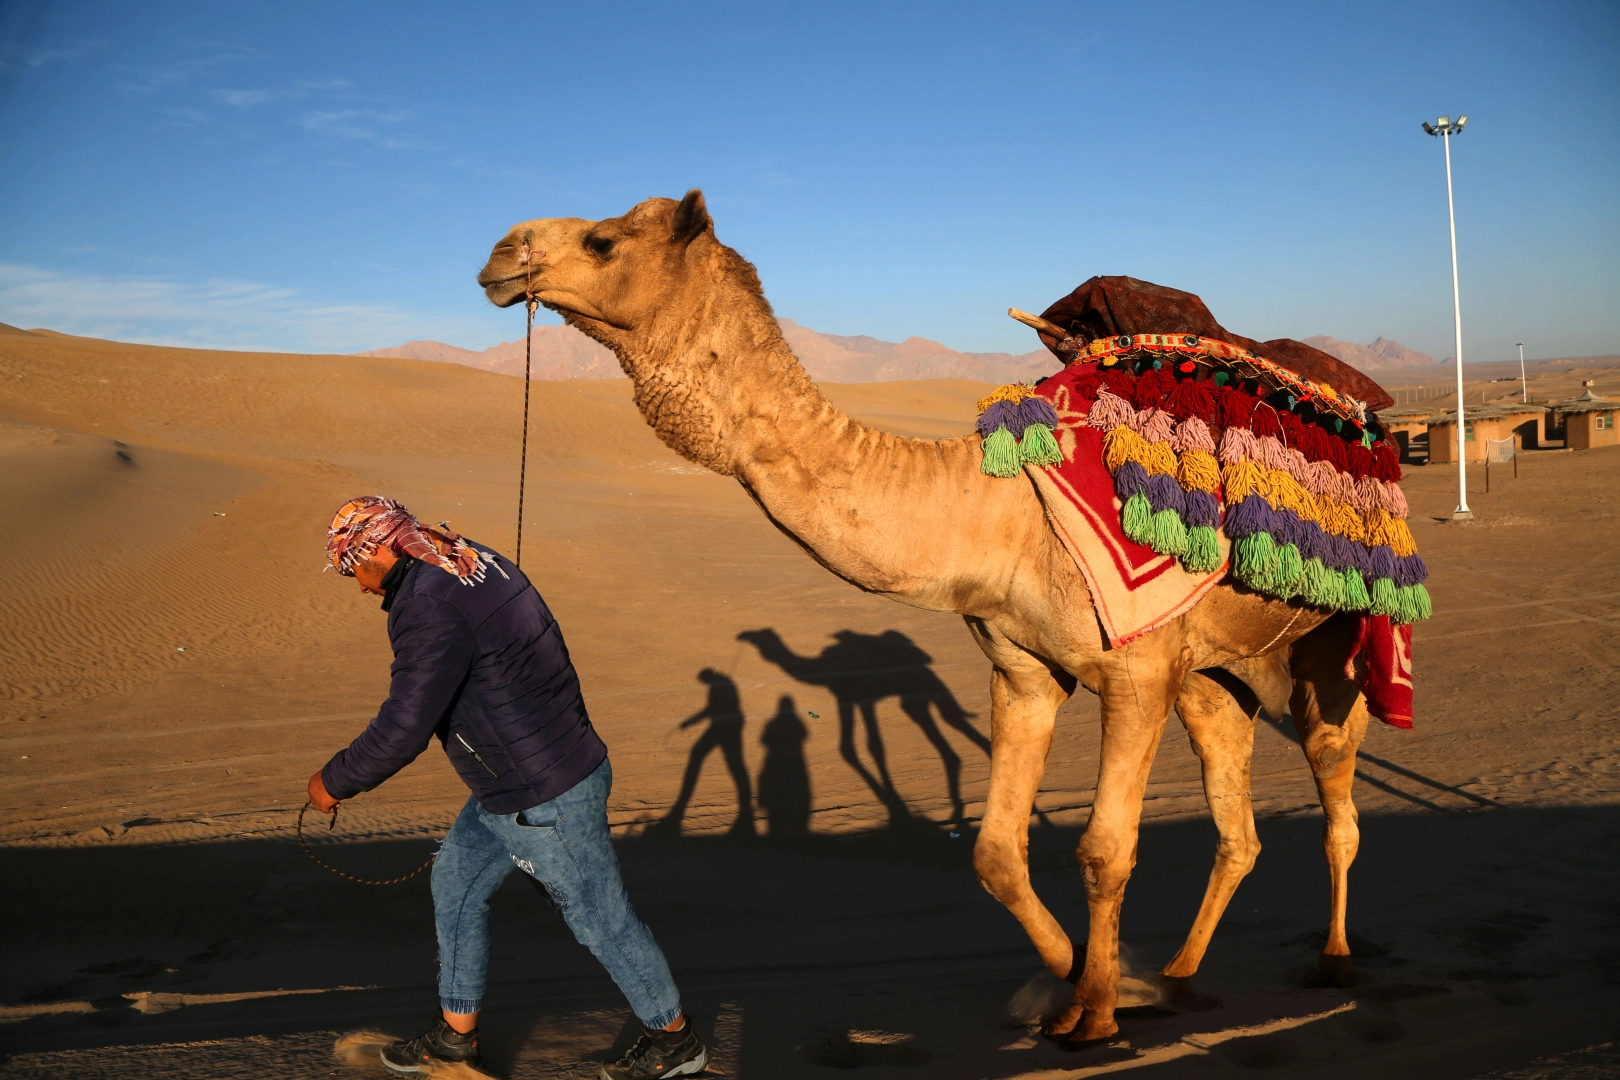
(916, 520)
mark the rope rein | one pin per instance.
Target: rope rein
(344, 874)
(529, 304)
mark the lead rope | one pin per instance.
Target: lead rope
(530, 303)
(344, 874)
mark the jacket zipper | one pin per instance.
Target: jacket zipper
(475, 755)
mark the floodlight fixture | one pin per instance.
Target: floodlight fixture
(1445, 129)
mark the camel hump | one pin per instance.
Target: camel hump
(1114, 305)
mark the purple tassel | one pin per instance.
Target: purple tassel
(1200, 508)
(1313, 542)
(1034, 410)
(1165, 494)
(1410, 570)
(1000, 414)
(1288, 528)
(1343, 551)
(1364, 561)
(1129, 480)
(1381, 560)
(1252, 515)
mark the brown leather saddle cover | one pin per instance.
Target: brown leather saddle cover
(1109, 306)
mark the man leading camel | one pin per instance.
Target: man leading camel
(480, 663)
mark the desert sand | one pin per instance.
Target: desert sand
(175, 665)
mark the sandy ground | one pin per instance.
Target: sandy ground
(173, 666)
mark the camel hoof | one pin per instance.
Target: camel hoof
(1061, 1025)
(1333, 971)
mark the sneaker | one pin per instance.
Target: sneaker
(438, 1043)
(660, 1053)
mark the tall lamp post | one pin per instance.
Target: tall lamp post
(1524, 386)
(1445, 129)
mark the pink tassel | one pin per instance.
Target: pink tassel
(1322, 480)
(1270, 453)
(1192, 434)
(1158, 426)
(1237, 446)
(1395, 500)
(1110, 411)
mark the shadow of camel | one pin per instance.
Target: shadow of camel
(863, 669)
(724, 713)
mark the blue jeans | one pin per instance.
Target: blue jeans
(563, 844)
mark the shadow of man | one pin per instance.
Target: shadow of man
(862, 669)
(724, 713)
(784, 781)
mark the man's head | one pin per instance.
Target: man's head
(370, 534)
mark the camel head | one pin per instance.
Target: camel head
(608, 278)
(679, 309)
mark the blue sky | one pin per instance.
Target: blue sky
(329, 177)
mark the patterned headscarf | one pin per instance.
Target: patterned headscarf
(363, 526)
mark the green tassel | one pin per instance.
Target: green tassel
(1384, 600)
(1254, 560)
(1001, 454)
(1355, 591)
(1422, 605)
(1038, 446)
(1285, 582)
(1169, 533)
(1203, 550)
(1137, 519)
(1321, 586)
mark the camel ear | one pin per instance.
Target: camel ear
(691, 218)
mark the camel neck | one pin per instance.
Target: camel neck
(863, 502)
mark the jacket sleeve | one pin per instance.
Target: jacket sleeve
(433, 651)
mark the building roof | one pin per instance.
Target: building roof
(1406, 415)
(1486, 412)
(1587, 402)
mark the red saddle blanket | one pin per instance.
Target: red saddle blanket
(1136, 590)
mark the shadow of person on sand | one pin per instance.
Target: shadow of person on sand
(784, 779)
(863, 669)
(724, 713)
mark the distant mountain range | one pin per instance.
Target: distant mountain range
(561, 352)
(1381, 355)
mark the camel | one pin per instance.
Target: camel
(918, 521)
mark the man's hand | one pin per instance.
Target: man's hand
(318, 798)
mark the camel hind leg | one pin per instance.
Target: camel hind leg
(1330, 716)
(1218, 712)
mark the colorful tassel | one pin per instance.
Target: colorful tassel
(1001, 454)
(1039, 446)
(1203, 550)
(1384, 600)
(1136, 519)
(1355, 591)
(1168, 533)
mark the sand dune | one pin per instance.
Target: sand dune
(160, 499)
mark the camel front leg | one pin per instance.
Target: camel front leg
(1024, 697)
(1139, 683)
(1330, 716)
(1221, 729)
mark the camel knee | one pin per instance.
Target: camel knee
(1239, 852)
(1001, 868)
(1106, 865)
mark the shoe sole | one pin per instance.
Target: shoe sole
(685, 1068)
(403, 1070)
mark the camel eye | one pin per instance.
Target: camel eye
(601, 246)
